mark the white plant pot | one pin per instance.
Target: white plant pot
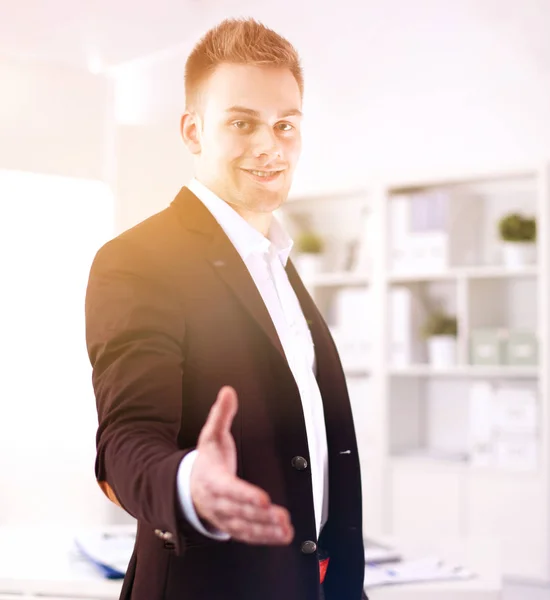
(519, 254)
(442, 350)
(309, 265)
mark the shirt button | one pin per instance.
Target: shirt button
(299, 463)
(309, 547)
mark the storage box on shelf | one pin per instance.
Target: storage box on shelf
(350, 326)
(500, 346)
(504, 426)
(522, 348)
(488, 347)
(503, 317)
(432, 229)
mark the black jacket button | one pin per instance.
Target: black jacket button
(309, 547)
(299, 463)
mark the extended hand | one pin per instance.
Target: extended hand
(232, 505)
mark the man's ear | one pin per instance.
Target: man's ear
(190, 128)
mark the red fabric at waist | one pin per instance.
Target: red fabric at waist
(323, 566)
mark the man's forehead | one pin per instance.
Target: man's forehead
(242, 109)
(260, 89)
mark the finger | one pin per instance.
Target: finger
(240, 491)
(221, 415)
(275, 516)
(254, 533)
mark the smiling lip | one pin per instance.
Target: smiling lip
(264, 175)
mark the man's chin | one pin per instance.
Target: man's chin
(268, 202)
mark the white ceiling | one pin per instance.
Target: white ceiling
(102, 33)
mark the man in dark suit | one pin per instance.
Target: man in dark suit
(225, 426)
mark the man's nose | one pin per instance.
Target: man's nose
(265, 141)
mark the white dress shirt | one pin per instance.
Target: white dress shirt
(265, 259)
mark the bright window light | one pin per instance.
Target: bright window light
(50, 229)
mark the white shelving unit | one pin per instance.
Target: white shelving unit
(466, 371)
(337, 279)
(413, 420)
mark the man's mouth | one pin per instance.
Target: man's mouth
(264, 175)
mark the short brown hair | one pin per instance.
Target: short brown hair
(238, 41)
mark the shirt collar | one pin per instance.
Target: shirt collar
(243, 236)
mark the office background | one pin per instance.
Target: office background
(90, 98)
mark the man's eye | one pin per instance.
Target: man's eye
(240, 124)
(285, 127)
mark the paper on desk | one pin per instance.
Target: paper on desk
(109, 551)
(377, 553)
(410, 571)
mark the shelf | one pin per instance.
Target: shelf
(303, 198)
(484, 272)
(466, 371)
(436, 464)
(351, 371)
(425, 461)
(460, 178)
(337, 279)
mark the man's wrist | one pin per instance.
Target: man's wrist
(186, 500)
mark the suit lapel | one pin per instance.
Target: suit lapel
(329, 374)
(226, 261)
(230, 267)
(344, 465)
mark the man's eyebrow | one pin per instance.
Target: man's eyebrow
(292, 112)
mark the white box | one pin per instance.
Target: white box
(428, 252)
(352, 327)
(481, 424)
(516, 410)
(405, 319)
(352, 310)
(354, 351)
(433, 230)
(517, 453)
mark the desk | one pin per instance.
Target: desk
(478, 555)
(39, 562)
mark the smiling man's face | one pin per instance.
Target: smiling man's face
(247, 136)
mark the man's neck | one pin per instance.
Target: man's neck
(260, 221)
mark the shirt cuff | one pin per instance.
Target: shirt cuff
(184, 494)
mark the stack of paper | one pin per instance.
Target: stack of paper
(409, 571)
(376, 553)
(109, 551)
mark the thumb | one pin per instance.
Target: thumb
(221, 415)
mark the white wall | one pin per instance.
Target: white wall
(55, 119)
(152, 165)
(50, 229)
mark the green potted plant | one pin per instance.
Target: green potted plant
(309, 246)
(519, 235)
(440, 331)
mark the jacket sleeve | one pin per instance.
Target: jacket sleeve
(135, 333)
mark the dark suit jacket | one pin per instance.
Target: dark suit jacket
(172, 315)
